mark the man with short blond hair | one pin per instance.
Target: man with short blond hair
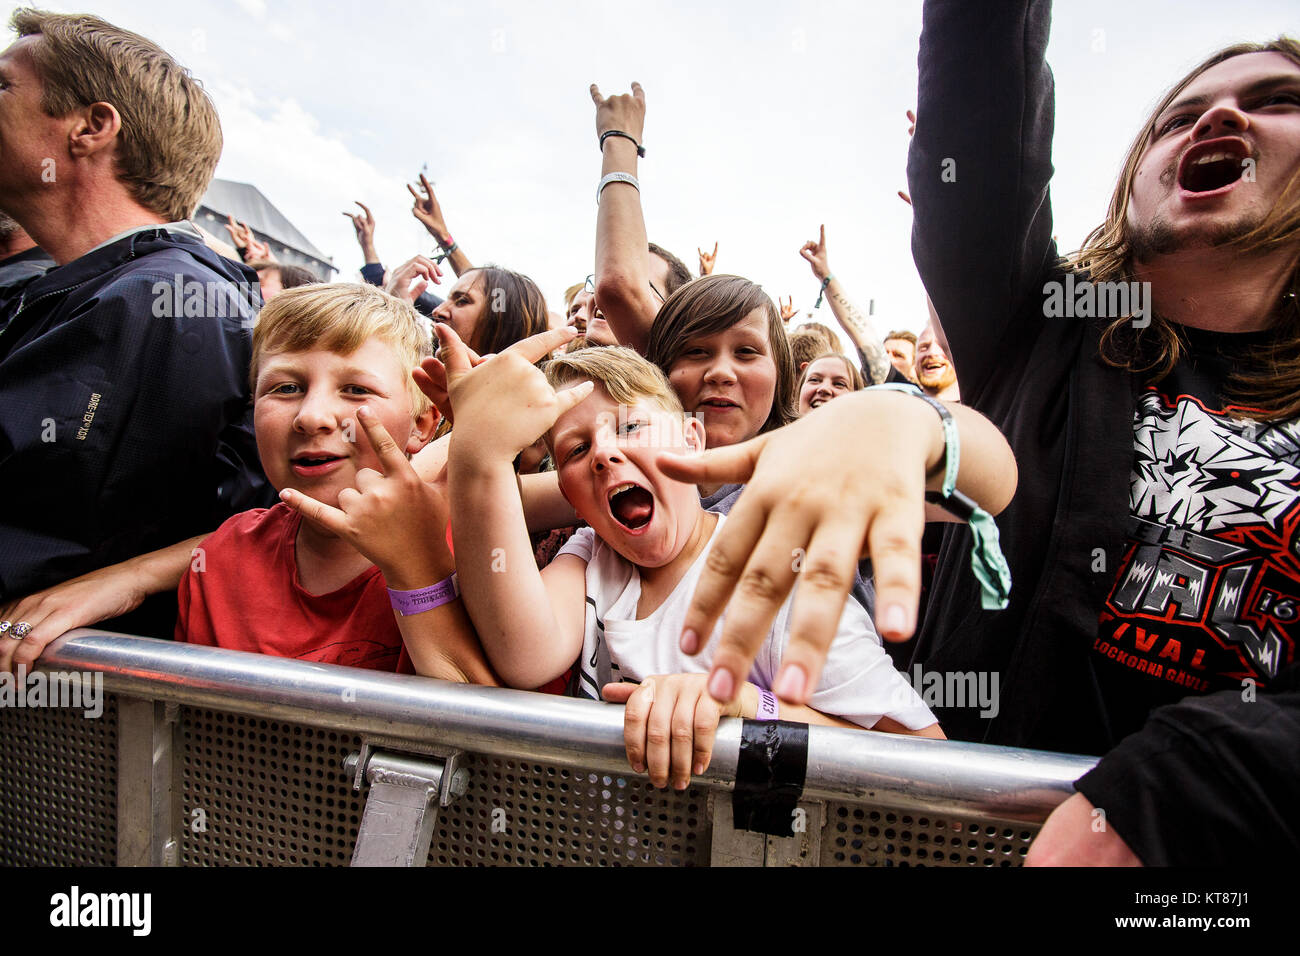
(124, 415)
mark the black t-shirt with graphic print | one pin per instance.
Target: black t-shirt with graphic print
(1207, 594)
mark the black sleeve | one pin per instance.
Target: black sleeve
(978, 171)
(1210, 780)
(426, 302)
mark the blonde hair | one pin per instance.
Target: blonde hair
(855, 378)
(1108, 253)
(170, 139)
(342, 317)
(622, 372)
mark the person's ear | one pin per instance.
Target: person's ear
(694, 433)
(802, 366)
(95, 129)
(422, 428)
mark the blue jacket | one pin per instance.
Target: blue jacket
(125, 421)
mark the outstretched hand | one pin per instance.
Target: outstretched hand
(394, 519)
(624, 112)
(242, 236)
(816, 256)
(811, 503)
(707, 260)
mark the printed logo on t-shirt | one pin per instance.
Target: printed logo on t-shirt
(1208, 590)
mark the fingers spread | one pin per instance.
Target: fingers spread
(826, 574)
(762, 587)
(894, 540)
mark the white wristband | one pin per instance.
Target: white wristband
(616, 178)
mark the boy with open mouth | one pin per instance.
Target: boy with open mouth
(617, 592)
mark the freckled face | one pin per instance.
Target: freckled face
(304, 402)
(605, 457)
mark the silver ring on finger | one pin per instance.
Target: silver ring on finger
(20, 630)
(4, 627)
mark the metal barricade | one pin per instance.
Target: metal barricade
(204, 756)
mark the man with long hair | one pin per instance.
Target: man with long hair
(1150, 389)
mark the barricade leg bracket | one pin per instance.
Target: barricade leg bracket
(402, 806)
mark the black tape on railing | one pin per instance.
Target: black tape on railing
(769, 776)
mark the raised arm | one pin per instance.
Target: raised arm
(429, 212)
(623, 292)
(364, 224)
(531, 632)
(978, 173)
(851, 319)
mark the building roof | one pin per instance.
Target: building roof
(246, 203)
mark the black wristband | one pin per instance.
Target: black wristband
(640, 150)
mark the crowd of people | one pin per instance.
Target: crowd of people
(468, 485)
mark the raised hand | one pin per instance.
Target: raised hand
(500, 427)
(788, 311)
(427, 210)
(812, 502)
(243, 237)
(364, 224)
(669, 726)
(816, 256)
(624, 112)
(431, 378)
(418, 269)
(394, 519)
(707, 260)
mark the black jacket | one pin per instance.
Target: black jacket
(978, 171)
(125, 422)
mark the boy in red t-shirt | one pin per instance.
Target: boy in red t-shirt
(353, 567)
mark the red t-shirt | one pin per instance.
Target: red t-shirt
(247, 597)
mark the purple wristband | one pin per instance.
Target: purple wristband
(766, 706)
(407, 603)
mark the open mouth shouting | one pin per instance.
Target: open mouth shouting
(631, 505)
(1213, 167)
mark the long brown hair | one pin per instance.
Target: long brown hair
(1273, 382)
(713, 304)
(513, 309)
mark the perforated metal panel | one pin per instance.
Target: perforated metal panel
(58, 771)
(517, 813)
(865, 836)
(265, 792)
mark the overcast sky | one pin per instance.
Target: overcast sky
(763, 120)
